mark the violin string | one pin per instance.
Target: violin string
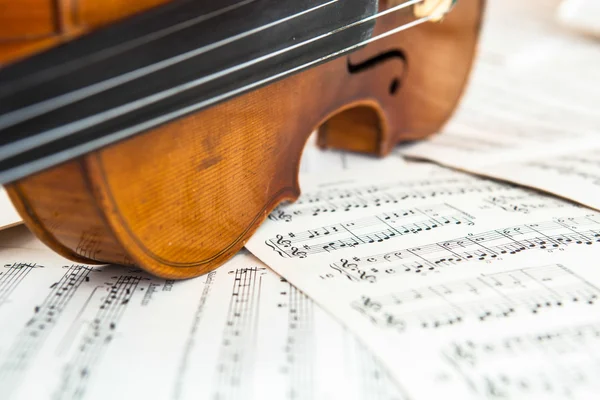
(40, 139)
(34, 110)
(45, 106)
(65, 155)
(58, 70)
(48, 105)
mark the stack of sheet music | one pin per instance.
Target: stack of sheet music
(423, 282)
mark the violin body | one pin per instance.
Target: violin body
(180, 199)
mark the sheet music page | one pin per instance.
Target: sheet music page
(9, 217)
(463, 287)
(521, 121)
(581, 16)
(318, 160)
(73, 331)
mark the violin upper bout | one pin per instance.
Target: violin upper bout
(405, 86)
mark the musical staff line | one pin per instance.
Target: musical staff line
(191, 342)
(356, 199)
(333, 194)
(236, 357)
(12, 277)
(376, 382)
(299, 360)
(368, 230)
(527, 202)
(99, 333)
(565, 361)
(290, 362)
(502, 295)
(490, 245)
(33, 334)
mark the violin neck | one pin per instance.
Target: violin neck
(158, 66)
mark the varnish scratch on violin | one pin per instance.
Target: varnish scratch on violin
(209, 162)
(249, 171)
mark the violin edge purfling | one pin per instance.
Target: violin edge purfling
(182, 198)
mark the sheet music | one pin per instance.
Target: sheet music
(522, 121)
(527, 332)
(417, 266)
(80, 332)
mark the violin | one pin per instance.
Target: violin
(160, 134)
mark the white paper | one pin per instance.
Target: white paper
(530, 114)
(420, 265)
(317, 160)
(581, 15)
(240, 332)
(9, 216)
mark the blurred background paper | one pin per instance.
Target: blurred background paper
(581, 15)
(530, 115)
(8, 215)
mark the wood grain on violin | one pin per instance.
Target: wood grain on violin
(180, 197)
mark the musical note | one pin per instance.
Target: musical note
(300, 342)
(486, 246)
(529, 291)
(239, 334)
(369, 230)
(525, 203)
(336, 200)
(32, 336)
(550, 364)
(517, 260)
(100, 331)
(11, 276)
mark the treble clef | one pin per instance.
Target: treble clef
(348, 265)
(282, 242)
(365, 277)
(298, 253)
(280, 215)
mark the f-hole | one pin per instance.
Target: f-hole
(379, 59)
